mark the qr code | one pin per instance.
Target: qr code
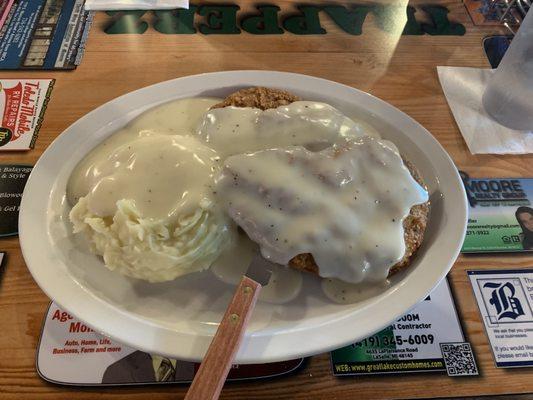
(459, 359)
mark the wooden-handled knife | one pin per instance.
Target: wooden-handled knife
(210, 378)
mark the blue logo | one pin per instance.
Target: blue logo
(504, 301)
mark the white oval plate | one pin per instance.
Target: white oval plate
(179, 318)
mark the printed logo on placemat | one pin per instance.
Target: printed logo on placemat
(226, 19)
(505, 300)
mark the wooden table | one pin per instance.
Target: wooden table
(401, 69)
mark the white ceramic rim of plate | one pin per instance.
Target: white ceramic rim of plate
(318, 334)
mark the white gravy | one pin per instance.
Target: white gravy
(233, 130)
(348, 293)
(179, 117)
(284, 285)
(167, 176)
(344, 205)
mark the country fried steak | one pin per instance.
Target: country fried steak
(258, 97)
(414, 224)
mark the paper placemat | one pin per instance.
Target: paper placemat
(500, 214)
(43, 34)
(505, 301)
(22, 106)
(71, 353)
(12, 181)
(427, 339)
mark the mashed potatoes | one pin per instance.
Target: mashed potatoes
(144, 198)
(152, 249)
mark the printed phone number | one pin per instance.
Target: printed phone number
(478, 232)
(376, 341)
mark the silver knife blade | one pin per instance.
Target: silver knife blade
(260, 270)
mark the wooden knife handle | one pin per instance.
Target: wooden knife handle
(211, 375)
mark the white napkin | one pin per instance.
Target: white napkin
(463, 88)
(135, 4)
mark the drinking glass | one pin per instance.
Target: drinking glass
(508, 96)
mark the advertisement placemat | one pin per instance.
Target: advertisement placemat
(42, 34)
(22, 106)
(429, 338)
(500, 216)
(71, 353)
(505, 301)
(12, 181)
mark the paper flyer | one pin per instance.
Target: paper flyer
(42, 34)
(429, 338)
(12, 181)
(71, 353)
(505, 301)
(22, 106)
(500, 216)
